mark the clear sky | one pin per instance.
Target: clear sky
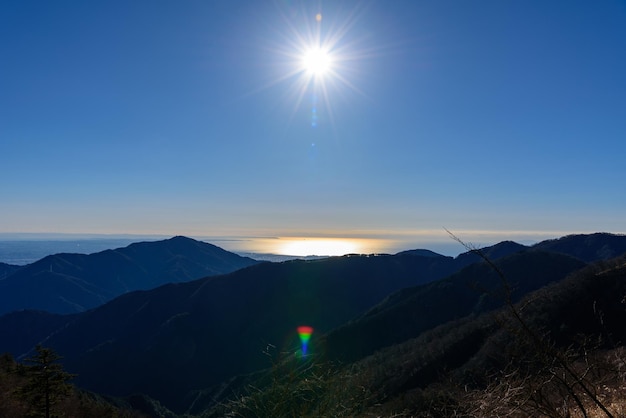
(501, 119)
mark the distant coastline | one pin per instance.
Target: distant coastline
(25, 248)
(28, 248)
(25, 251)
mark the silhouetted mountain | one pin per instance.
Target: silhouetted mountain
(475, 289)
(67, 283)
(499, 250)
(171, 340)
(421, 253)
(582, 315)
(7, 269)
(585, 308)
(589, 248)
(465, 259)
(20, 331)
(471, 366)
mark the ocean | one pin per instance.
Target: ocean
(22, 252)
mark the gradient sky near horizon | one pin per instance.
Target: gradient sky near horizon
(494, 119)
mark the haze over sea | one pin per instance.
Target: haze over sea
(26, 251)
(22, 249)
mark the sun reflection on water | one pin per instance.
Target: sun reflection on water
(317, 246)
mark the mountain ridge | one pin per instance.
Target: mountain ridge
(472, 290)
(68, 283)
(186, 326)
(173, 340)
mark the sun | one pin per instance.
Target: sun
(316, 61)
(316, 58)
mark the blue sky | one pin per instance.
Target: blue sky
(494, 119)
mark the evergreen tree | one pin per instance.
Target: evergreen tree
(46, 382)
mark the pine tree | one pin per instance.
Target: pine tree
(46, 382)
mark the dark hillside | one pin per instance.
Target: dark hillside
(174, 341)
(504, 368)
(586, 308)
(21, 331)
(579, 319)
(473, 290)
(444, 263)
(502, 249)
(7, 269)
(588, 247)
(69, 283)
(202, 332)
(484, 365)
(422, 253)
(22, 395)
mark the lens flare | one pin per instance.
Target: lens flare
(304, 332)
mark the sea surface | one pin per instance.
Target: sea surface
(22, 252)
